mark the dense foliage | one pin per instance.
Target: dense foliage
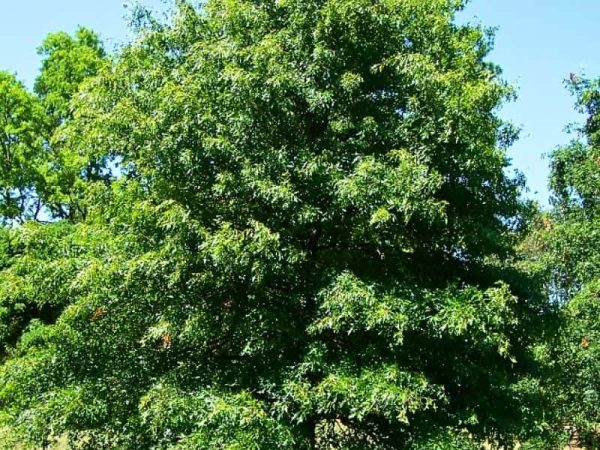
(22, 126)
(563, 253)
(280, 224)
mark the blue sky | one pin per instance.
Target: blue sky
(538, 43)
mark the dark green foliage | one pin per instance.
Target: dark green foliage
(307, 243)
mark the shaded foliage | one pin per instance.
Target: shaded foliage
(276, 224)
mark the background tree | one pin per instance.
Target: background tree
(23, 133)
(309, 245)
(67, 62)
(41, 178)
(34, 170)
(564, 254)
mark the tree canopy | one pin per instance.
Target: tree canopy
(563, 253)
(273, 224)
(22, 125)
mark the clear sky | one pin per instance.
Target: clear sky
(538, 43)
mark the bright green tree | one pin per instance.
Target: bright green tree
(37, 179)
(23, 126)
(33, 170)
(40, 178)
(67, 63)
(308, 247)
(564, 254)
